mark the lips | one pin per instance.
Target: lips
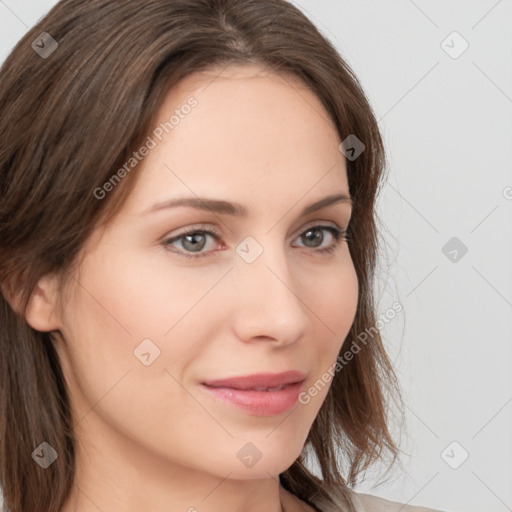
(263, 394)
(259, 381)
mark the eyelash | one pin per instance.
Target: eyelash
(338, 234)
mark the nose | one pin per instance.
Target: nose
(267, 303)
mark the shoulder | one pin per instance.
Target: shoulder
(369, 503)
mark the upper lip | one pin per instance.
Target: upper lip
(259, 380)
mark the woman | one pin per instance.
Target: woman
(187, 247)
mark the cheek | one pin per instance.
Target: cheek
(128, 312)
(334, 312)
(114, 310)
(152, 294)
(339, 300)
(333, 306)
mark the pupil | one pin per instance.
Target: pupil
(194, 245)
(318, 235)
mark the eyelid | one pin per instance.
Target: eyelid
(193, 229)
(314, 223)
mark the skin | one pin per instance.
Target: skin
(149, 438)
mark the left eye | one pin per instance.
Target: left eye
(195, 241)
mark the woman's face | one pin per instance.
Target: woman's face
(145, 326)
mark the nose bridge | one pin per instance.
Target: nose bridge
(267, 299)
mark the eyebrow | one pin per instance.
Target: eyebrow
(236, 209)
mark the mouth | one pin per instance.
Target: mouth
(260, 399)
(278, 388)
(259, 381)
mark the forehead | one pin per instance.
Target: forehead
(251, 131)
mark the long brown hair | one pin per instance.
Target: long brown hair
(69, 119)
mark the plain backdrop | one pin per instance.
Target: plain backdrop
(438, 74)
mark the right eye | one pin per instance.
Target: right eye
(193, 241)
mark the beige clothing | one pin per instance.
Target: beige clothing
(369, 503)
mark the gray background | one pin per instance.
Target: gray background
(447, 124)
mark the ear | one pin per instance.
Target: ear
(41, 312)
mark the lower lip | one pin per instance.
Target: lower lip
(262, 403)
